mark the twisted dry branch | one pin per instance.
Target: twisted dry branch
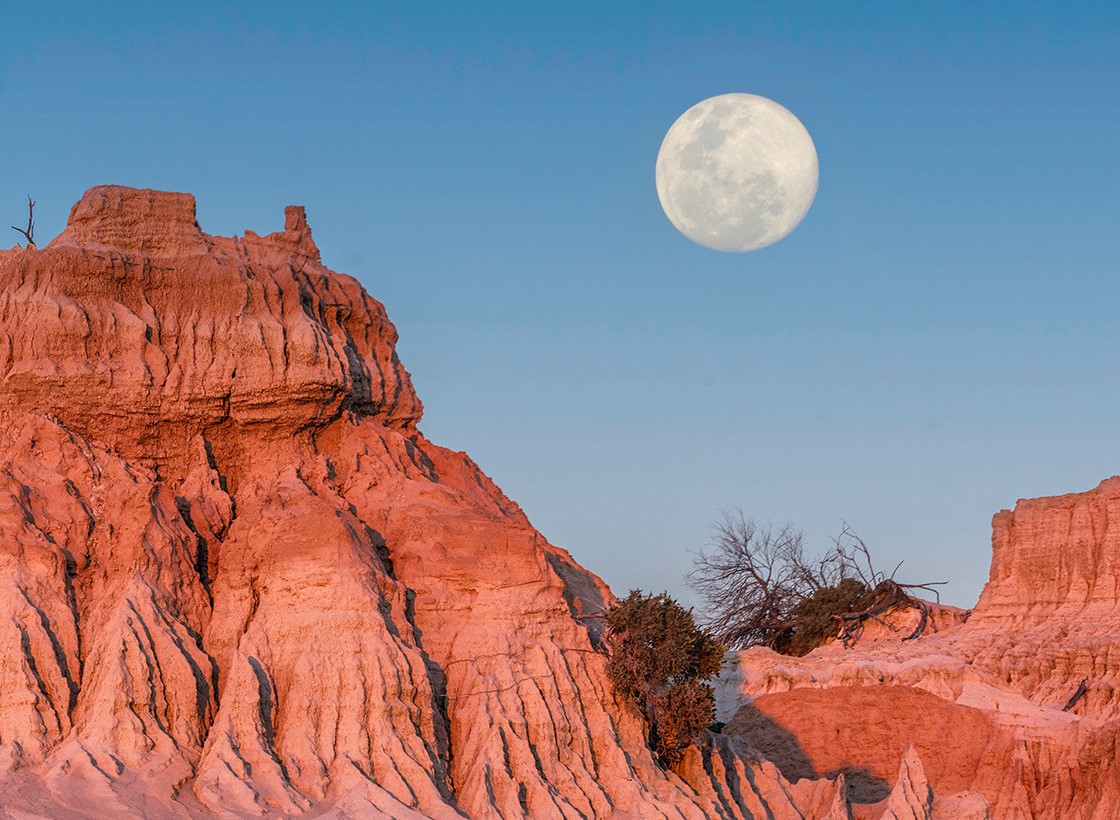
(889, 594)
(29, 231)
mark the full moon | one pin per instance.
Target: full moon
(737, 172)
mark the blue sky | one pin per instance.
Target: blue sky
(937, 339)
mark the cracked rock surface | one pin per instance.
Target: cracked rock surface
(236, 580)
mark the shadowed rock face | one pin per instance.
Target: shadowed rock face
(983, 701)
(235, 579)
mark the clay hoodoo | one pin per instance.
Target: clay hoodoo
(235, 578)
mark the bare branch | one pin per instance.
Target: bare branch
(29, 231)
(923, 608)
(887, 595)
(751, 577)
(928, 586)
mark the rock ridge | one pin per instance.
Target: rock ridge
(236, 579)
(133, 312)
(995, 703)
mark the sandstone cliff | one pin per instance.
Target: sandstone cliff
(235, 579)
(982, 702)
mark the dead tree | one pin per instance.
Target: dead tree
(29, 231)
(752, 578)
(760, 588)
(885, 592)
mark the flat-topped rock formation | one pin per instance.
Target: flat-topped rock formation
(1058, 555)
(236, 580)
(132, 315)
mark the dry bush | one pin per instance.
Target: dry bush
(658, 661)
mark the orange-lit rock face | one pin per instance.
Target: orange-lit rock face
(865, 733)
(133, 315)
(1056, 555)
(981, 701)
(235, 579)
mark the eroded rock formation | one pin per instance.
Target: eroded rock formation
(983, 701)
(235, 579)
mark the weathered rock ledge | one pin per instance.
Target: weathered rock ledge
(236, 580)
(982, 701)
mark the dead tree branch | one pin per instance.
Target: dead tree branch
(29, 231)
(753, 577)
(923, 609)
(887, 595)
(760, 588)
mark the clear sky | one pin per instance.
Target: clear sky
(937, 339)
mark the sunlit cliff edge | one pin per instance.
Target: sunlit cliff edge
(236, 580)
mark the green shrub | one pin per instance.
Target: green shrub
(658, 660)
(814, 618)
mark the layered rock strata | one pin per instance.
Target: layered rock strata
(236, 580)
(994, 705)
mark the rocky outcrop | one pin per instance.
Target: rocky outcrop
(133, 316)
(1055, 558)
(236, 580)
(983, 701)
(911, 798)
